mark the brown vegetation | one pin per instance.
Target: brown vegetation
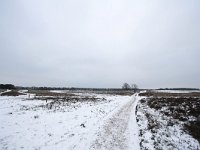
(184, 109)
(163, 94)
(11, 93)
(49, 93)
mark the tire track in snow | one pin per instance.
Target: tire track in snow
(114, 133)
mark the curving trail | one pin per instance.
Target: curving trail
(120, 131)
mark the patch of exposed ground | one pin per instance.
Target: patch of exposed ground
(60, 101)
(2, 90)
(163, 94)
(184, 109)
(12, 93)
(169, 121)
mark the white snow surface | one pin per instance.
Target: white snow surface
(176, 91)
(109, 124)
(58, 91)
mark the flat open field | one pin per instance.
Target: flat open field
(66, 120)
(42, 119)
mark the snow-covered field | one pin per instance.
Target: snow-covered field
(107, 123)
(81, 121)
(176, 91)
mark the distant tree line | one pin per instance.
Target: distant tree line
(7, 86)
(73, 88)
(125, 86)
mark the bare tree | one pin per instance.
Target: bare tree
(134, 87)
(126, 86)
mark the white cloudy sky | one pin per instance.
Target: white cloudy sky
(100, 43)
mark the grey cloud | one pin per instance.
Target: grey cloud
(100, 43)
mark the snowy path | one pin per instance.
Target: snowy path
(120, 131)
(107, 124)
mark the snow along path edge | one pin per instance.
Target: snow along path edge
(134, 142)
(120, 131)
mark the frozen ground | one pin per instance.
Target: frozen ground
(89, 121)
(176, 91)
(107, 123)
(162, 123)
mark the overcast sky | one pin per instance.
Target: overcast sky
(100, 43)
